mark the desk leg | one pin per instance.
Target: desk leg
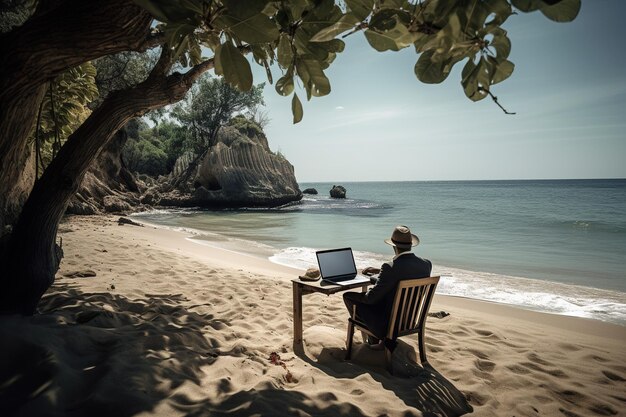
(297, 314)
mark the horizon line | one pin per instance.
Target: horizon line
(470, 180)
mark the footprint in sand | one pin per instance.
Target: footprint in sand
(603, 410)
(487, 333)
(327, 396)
(569, 347)
(518, 369)
(613, 377)
(484, 366)
(553, 372)
(479, 354)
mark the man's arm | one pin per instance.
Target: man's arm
(384, 285)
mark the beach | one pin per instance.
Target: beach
(142, 321)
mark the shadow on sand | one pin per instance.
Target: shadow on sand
(420, 387)
(102, 354)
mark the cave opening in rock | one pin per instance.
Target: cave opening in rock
(210, 183)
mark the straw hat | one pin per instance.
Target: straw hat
(402, 238)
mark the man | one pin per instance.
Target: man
(373, 308)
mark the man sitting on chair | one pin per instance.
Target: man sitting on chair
(373, 308)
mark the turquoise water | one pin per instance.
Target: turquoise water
(554, 246)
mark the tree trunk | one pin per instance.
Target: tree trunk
(49, 43)
(31, 260)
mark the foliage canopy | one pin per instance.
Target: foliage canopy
(301, 36)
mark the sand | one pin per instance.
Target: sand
(169, 327)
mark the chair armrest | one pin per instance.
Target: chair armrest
(357, 323)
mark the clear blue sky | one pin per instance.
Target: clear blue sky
(381, 123)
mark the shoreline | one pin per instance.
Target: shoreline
(228, 258)
(262, 251)
(168, 327)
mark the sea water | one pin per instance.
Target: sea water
(552, 245)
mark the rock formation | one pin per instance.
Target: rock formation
(309, 191)
(108, 186)
(239, 171)
(338, 191)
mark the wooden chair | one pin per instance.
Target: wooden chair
(408, 316)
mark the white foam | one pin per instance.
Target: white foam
(532, 294)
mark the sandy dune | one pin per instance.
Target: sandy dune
(169, 327)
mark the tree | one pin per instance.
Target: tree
(299, 35)
(57, 36)
(63, 108)
(154, 151)
(211, 104)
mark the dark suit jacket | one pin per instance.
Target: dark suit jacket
(374, 306)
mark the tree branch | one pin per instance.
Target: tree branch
(163, 65)
(152, 40)
(495, 100)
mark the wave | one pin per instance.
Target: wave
(335, 205)
(532, 294)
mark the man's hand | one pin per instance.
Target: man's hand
(370, 271)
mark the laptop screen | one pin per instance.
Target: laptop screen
(336, 262)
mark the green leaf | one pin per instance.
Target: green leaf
(268, 72)
(296, 109)
(245, 19)
(438, 12)
(284, 85)
(255, 29)
(345, 23)
(285, 51)
(235, 68)
(296, 8)
(311, 73)
(563, 11)
(430, 71)
(315, 49)
(503, 70)
(469, 80)
(527, 5)
(501, 43)
(502, 10)
(391, 4)
(360, 8)
(396, 38)
(387, 19)
(244, 8)
(474, 18)
(335, 45)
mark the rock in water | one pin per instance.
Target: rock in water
(310, 191)
(239, 171)
(338, 191)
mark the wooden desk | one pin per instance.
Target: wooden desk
(301, 288)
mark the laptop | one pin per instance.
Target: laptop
(337, 267)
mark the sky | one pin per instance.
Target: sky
(381, 124)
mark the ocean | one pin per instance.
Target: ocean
(556, 246)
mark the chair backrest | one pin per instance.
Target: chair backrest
(410, 306)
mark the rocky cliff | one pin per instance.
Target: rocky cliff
(108, 186)
(239, 171)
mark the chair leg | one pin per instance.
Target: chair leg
(422, 348)
(349, 339)
(388, 353)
